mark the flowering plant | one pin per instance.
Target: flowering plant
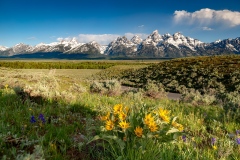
(125, 125)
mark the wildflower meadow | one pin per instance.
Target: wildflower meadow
(59, 116)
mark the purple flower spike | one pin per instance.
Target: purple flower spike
(213, 141)
(33, 120)
(238, 141)
(184, 138)
(41, 117)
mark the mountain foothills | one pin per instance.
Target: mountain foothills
(155, 45)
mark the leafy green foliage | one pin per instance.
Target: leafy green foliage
(196, 72)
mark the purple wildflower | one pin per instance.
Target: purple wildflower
(33, 120)
(41, 117)
(184, 138)
(237, 132)
(238, 140)
(213, 141)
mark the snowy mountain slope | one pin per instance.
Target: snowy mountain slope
(155, 45)
(122, 46)
(176, 45)
(3, 48)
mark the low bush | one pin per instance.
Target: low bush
(154, 89)
(108, 87)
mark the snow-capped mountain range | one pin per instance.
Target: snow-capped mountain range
(155, 45)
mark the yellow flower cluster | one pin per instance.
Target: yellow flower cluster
(119, 116)
(106, 117)
(164, 114)
(124, 125)
(117, 108)
(150, 122)
(138, 131)
(109, 125)
(118, 120)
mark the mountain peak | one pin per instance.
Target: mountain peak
(3, 48)
(74, 40)
(178, 35)
(155, 32)
(154, 37)
(166, 36)
(122, 40)
(218, 41)
(19, 44)
(136, 39)
(93, 42)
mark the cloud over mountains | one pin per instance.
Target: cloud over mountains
(102, 39)
(208, 17)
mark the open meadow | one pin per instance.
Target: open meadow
(120, 109)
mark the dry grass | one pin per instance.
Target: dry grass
(78, 74)
(65, 77)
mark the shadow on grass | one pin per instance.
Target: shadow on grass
(57, 135)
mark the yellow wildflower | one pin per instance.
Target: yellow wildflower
(6, 86)
(138, 131)
(148, 119)
(174, 124)
(106, 117)
(214, 147)
(178, 126)
(164, 111)
(117, 108)
(164, 114)
(124, 125)
(153, 127)
(109, 125)
(122, 116)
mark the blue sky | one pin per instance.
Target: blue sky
(35, 21)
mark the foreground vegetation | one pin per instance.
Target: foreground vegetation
(51, 116)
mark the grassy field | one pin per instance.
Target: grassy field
(75, 74)
(83, 114)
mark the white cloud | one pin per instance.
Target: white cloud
(207, 29)
(60, 39)
(102, 39)
(141, 35)
(206, 17)
(32, 38)
(141, 26)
